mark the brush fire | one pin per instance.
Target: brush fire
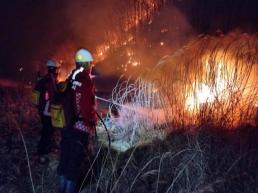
(211, 81)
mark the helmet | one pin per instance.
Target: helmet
(52, 64)
(82, 56)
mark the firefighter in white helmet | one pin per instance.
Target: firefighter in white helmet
(79, 134)
(46, 88)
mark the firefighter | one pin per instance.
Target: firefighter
(46, 88)
(78, 137)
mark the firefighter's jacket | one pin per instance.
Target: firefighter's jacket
(83, 99)
(46, 86)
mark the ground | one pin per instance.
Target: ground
(204, 160)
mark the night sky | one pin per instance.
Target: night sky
(31, 30)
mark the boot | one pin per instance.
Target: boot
(61, 184)
(70, 186)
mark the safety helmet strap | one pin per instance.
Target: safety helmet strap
(85, 65)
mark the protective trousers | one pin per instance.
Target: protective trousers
(73, 146)
(65, 185)
(46, 140)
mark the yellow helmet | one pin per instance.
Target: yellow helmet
(82, 56)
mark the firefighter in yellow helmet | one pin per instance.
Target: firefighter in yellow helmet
(79, 133)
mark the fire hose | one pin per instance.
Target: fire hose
(102, 121)
(115, 103)
(109, 139)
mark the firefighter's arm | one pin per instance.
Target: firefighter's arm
(87, 105)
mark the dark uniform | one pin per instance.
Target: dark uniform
(47, 88)
(78, 135)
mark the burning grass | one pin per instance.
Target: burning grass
(210, 82)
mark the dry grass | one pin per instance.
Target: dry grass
(19, 124)
(212, 81)
(206, 160)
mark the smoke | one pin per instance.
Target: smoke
(168, 32)
(126, 37)
(88, 21)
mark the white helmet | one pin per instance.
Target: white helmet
(52, 63)
(82, 56)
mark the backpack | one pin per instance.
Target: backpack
(35, 97)
(40, 95)
(61, 109)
